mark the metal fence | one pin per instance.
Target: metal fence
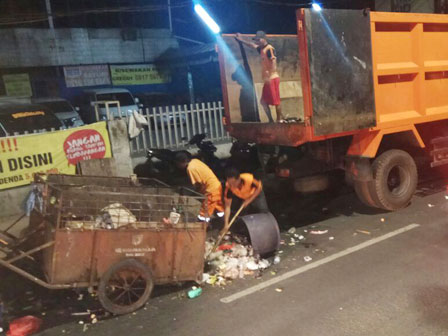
(174, 126)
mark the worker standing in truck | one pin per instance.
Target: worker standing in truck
(205, 182)
(246, 188)
(270, 76)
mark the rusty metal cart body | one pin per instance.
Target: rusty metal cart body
(113, 234)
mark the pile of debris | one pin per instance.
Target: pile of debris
(233, 259)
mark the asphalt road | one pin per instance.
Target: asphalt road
(382, 274)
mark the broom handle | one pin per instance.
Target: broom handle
(227, 229)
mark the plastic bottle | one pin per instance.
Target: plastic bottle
(195, 292)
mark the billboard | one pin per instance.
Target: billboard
(138, 74)
(17, 85)
(86, 75)
(55, 152)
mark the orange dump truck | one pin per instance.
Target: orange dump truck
(364, 91)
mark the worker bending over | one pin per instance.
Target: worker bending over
(248, 189)
(205, 182)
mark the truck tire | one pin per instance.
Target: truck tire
(395, 179)
(125, 286)
(311, 184)
(362, 190)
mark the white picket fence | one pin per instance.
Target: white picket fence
(174, 126)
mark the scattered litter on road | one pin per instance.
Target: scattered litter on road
(301, 237)
(273, 273)
(307, 258)
(280, 252)
(80, 297)
(24, 326)
(383, 220)
(205, 277)
(81, 313)
(292, 230)
(194, 292)
(225, 247)
(363, 231)
(282, 242)
(277, 260)
(279, 290)
(234, 259)
(305, 231)
(318, 232)
(431, 205)
(446, 197)
(330, 238)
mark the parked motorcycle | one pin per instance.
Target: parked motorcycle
(160, 163)
(207, 154)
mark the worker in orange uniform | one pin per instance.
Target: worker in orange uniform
(205, 182)
(270, 76)
(248, 189)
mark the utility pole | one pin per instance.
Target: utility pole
(170, 20)
(49, 14)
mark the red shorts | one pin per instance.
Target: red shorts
(271, 92)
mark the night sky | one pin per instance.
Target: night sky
(245, 16)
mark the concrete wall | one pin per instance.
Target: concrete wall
(24, 47)
(119, 141)
(12, 201)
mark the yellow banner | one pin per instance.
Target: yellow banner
(138, 75)
(55, 152)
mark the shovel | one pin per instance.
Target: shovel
(221, 236)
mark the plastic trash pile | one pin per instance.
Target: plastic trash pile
(114, 216)
(233, 259)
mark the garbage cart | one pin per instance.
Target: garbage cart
(117, 236)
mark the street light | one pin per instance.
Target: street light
(207, 19)
(316, 6)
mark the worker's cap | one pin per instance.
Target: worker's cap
(259, 35)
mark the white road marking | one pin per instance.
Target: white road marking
(318, 263)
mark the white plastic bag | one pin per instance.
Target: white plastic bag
(136, 122)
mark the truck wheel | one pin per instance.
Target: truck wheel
(394, 179)
(125, 287)
(311, 184)
(362, 190)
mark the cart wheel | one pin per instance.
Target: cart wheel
(125, 287)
